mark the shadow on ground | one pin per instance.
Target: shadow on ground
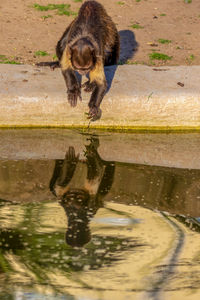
(128, 47)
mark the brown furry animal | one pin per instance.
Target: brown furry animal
(89, 42)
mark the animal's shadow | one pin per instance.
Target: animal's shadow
(128, 47)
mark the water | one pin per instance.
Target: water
(87, 217)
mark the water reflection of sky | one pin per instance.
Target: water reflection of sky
(116, 221)
(35, 296)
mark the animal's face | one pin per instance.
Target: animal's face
(77, 198)
(83, 56)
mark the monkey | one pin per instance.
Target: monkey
(88, 44)
(80, 186)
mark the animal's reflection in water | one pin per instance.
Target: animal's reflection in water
(80, 185)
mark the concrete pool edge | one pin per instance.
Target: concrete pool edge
(140, 98)
(157, 149)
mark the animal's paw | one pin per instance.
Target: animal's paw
(71, 155)
(94, 113)
(73, 96)
(89, 86)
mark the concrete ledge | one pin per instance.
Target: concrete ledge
(139, 97)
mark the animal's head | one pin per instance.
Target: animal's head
(83, 56)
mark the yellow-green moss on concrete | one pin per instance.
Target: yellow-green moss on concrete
(135, 129)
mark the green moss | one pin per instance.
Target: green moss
(5, 60)
(190, 59)
(124, 129)
(41, 53)
(55, 57)
(51, 7)
(136, 26)
(10, 62)
(46, 17)
(164, 41)
(159, 56)
(62, 9)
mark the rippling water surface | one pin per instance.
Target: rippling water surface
(78, 226)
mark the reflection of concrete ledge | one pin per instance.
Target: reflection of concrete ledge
(170, 150)
(139, 96)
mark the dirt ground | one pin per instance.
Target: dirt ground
(170, 27)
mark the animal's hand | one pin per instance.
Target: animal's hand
(73, 96)
(71, 156)
(94, 113)
(88, 86)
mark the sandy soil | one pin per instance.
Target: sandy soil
(24, 30)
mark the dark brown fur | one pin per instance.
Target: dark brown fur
(89, 42)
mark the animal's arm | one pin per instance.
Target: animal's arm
(72, 84)
(97, 78)
(64, 171)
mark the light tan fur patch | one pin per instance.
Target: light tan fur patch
(60, 191)
(66, 60)
(97, 74)
(92, 186)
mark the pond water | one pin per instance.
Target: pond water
(79, 223)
